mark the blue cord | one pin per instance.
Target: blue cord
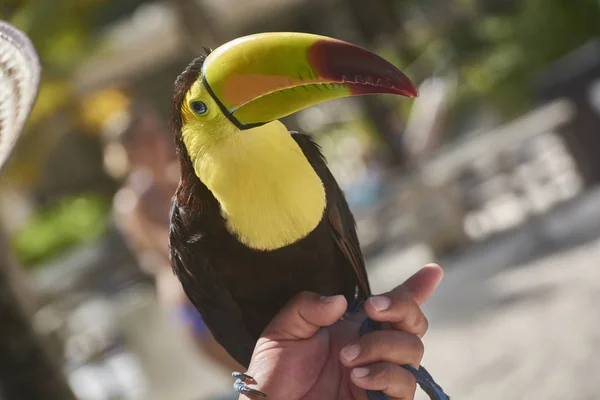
(424, 379)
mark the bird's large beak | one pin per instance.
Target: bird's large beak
(260, 78)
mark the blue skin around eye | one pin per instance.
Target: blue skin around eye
(199, 107)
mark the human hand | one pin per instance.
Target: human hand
(307, 352)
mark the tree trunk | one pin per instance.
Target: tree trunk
(27, 370)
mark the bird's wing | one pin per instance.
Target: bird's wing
(338, 214)
(219, 311)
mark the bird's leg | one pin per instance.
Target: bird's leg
(357, 305)
(241, 382)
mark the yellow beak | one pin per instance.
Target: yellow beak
(260, 78)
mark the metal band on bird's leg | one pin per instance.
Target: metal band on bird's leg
(424, 379)
(240, 384)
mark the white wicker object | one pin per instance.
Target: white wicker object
(19, 81)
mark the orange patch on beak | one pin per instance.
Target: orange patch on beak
(242, 89)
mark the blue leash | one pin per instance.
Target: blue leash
(424, 379)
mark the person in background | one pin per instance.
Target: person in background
(141, 208)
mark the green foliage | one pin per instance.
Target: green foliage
(62, 31)
(64, 34)
(499, 54)
(71, 221)
(506, 52)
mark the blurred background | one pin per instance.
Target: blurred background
(491, 172)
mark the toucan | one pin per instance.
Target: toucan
(258, 217)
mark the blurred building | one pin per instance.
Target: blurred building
(577, 77)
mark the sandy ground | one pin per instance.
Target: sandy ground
(515, 318)
(530, 331)
(518, 318)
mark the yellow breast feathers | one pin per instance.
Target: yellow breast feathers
(269, 193)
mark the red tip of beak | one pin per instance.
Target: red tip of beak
(362, 71)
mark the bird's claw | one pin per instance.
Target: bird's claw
(354, 307)
(241, 382)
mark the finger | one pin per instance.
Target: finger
(392, 379)
(302, 317)
(399, 308)
(395, 347)
(424, 282)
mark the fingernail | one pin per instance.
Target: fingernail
(351, 352)
(380, 303)
(330, 299)
(360, 372)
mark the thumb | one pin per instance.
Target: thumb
(304, 315)
(424, 282)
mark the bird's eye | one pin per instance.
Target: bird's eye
(199, 107)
